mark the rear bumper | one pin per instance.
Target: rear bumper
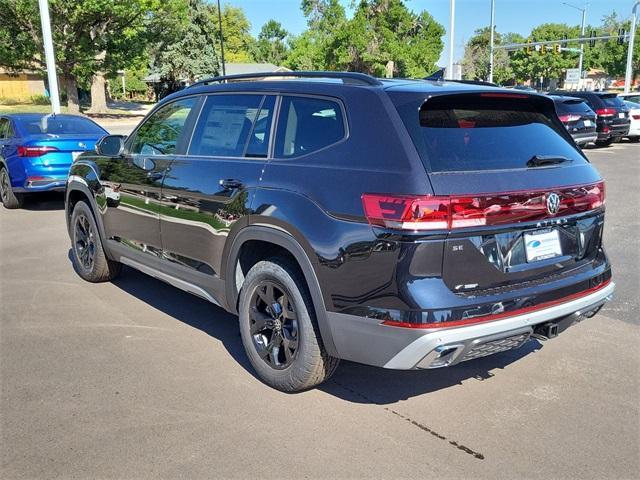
(368, 341)
(44, 185)
(584, 138)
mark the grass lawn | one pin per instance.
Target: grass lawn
(33, 108)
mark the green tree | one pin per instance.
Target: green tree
(271, 45)
(91, 38)
(239, 45)
(185, 50)
(475, 62)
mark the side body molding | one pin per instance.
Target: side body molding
(284, 240)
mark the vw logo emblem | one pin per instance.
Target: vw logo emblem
(82, 145)
(553, 203)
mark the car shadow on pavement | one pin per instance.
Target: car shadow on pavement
(364, 384)
(187, 308)
(44, 202)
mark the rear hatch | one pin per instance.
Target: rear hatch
(58, 149)
(614, 111)
(576, 115)
(523, 204)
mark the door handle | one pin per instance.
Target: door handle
(230, 183)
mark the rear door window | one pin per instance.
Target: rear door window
(470, 133)
(307, 125)
(226, 126)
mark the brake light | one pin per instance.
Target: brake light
(35, 151)
(636, 117)
(429, 212)
(503, 95)
(606, 112)
(568, 118)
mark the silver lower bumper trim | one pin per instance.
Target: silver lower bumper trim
(446, 347)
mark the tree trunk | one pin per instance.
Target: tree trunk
(98, 94)
(71, 85)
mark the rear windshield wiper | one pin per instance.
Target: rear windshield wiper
(544, 160)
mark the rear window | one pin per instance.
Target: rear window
(572, 106)
(470, 133)
(612, 101)
(59, 125)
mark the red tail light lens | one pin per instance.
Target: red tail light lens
(35, 151)
(636, 117)
(568, 118)
(401, 212)
(606, 112)
(418, 213)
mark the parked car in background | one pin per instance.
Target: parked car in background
(613, 115)
(631, 96)
(578, 118)
(634, 115)
(406, 224)
(36, 151)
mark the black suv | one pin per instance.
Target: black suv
(398, 223)
(613, 120)
(578, 118)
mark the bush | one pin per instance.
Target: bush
(39, 100)
(9, 101)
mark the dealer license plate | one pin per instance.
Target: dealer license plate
(587, 123)
(542, 244)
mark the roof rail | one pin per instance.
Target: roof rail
(353, 78)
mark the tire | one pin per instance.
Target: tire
(279, 329)
(89, 258)
(10, 199)
(604, 143)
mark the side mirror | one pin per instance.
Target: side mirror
(110, 146)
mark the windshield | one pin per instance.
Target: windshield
(572, 106)
(470, 133)
(59, 125)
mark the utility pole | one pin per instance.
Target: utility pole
(224, 69)
(493, 26)
(54, 93)
(452, 18)
(628, 75)
(584, 17)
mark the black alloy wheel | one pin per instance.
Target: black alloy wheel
(273, 325)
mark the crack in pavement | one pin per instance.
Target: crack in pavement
(419, 425)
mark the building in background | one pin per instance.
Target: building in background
(21, 85)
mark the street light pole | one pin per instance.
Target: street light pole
(452, 18)
(584, 18)
(224, 69)
(50, 58)
(632, 34)
(493, 26)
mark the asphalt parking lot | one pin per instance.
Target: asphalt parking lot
(135, 379)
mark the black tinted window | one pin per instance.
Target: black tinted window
(612, 101)
(225, 124)
(160, 134)
(308, 124)
(475, 133)
(572, 106)
(60, 125)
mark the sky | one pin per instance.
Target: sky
(518, 16)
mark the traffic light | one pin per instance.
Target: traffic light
(592, 42)
(556, 48)
(543, 49)
(621, 34)
(528, 49)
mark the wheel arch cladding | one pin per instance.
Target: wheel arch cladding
(277, 242)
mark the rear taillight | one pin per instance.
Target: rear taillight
(429, 212)
(568, 118)
(636, 117)
(606, 112)
(35, 151)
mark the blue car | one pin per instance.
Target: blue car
(37, 150)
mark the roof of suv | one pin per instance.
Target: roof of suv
(325, 83)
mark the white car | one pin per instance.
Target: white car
(634, 116)
(630, 97)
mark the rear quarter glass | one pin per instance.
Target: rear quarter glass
(472, 133)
